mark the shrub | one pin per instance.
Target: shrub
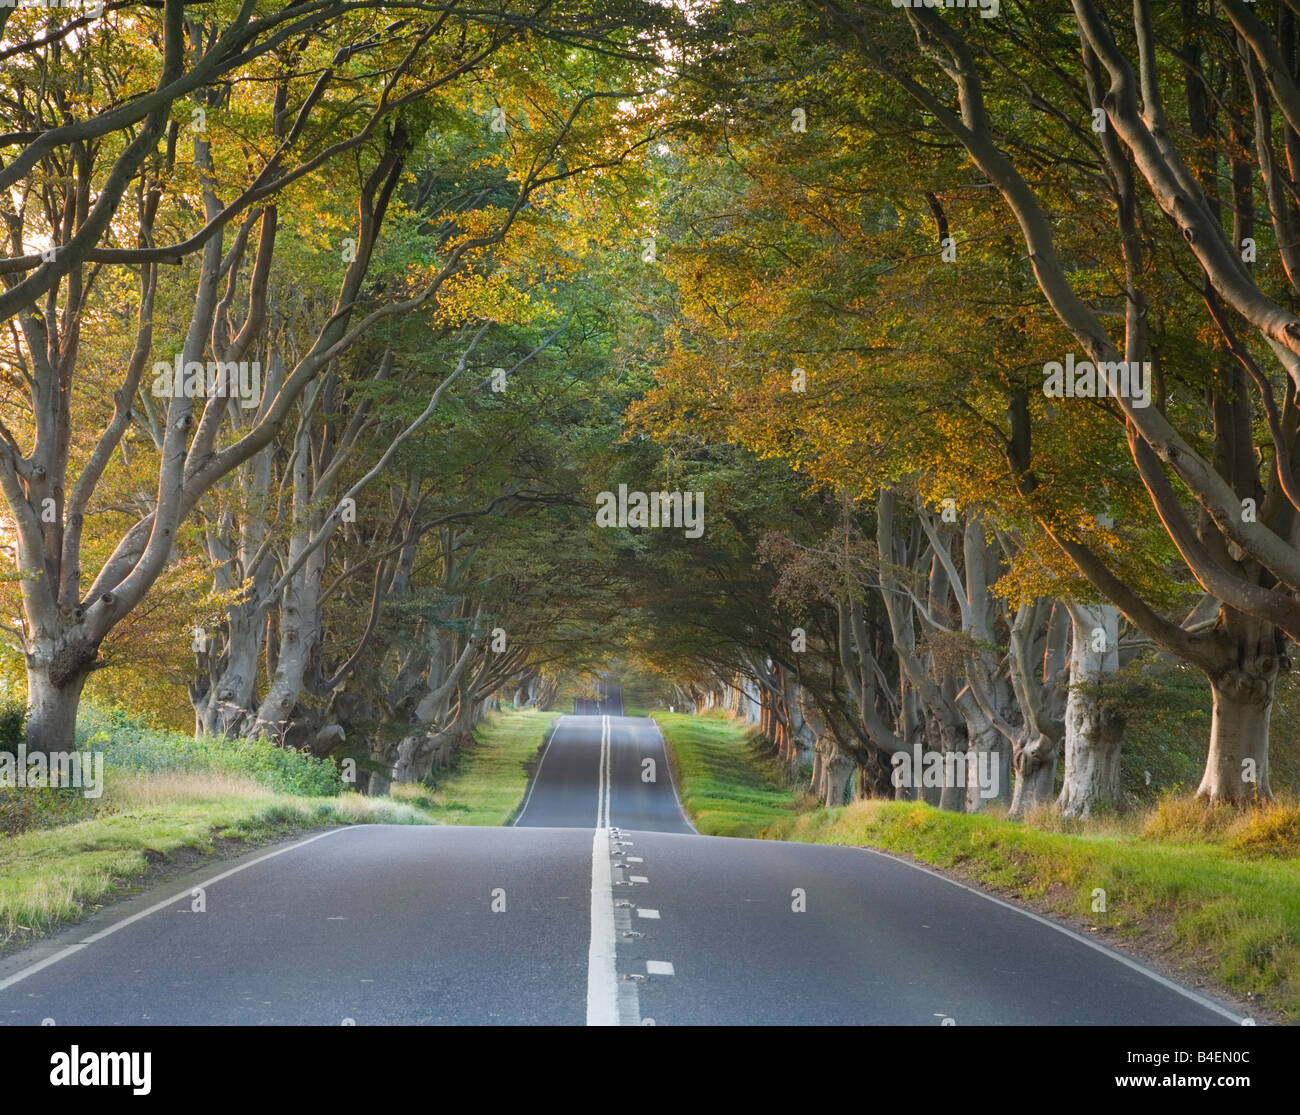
(1272, 831)
(36, 807)
(1183, 819)
(130, 745)
(13, 718)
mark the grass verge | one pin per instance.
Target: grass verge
(728, 785)
(55, 875)
(167, 793)
(487, 784)
(1208, 896)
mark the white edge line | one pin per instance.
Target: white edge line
(671, 781)
(602, 973)
(537, 773)
(68, 950)
(1097, 946)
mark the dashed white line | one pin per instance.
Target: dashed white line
(646, 912)
(658, 968)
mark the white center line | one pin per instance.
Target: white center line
(609, 763)
(602, 777)
(602, 975)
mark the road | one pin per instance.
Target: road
(600, 905)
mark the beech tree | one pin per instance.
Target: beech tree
(100, 179)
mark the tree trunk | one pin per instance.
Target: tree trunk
(1035, 782)
(951, 796)
(836, 770)
(1236, 769)
(52, 699)
(227, 706)
(1094, 729)
(987, 752)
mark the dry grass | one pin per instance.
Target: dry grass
(182, 788)
(1048, 818)
(1273, 830)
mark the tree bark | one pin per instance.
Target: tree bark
(1093, 728)
(1236, 768)
(53, 693)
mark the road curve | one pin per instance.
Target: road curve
(600, 905)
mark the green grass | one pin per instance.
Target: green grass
(726, 781)
(165, 792)
(59, 874)
(129, 744)
(1216, 892)
(487, 784)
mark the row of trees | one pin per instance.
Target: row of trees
(908, 224)
(293, 352)
(321, 320)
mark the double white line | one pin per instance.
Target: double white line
(602, 973)
(603, 788)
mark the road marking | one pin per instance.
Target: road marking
(538, 772)
(658, 968)
(602, 975)
(635, 859)
(184, 896)
(646, 912)
(638, 879)
(609, 768)
(603, 789)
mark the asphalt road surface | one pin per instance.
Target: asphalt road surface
(600, 905)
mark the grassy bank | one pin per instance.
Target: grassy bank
(487, 784)
(1214, 894)
(65, 855)
(728, 786)
(52, 875)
